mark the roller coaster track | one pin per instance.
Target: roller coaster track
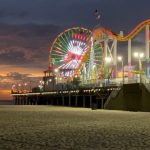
(99, 31)
(131, 35)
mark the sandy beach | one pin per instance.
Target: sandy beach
(60, 128)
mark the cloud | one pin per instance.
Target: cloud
(9, 56)
(26, 44)
(14, 13)
(17, 76)
(115, 14)
(6, 81)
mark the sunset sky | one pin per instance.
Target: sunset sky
(27, 28)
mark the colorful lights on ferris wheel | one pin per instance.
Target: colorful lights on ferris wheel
(68, 48)
(76, 47)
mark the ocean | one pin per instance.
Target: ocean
(6, 102)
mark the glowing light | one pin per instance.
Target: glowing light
(141, 55)
(41, 82)
(76, 47)
(108, 59)
(94, 66)
(40, 86)
(120, 58)
(138, 55)
(13, 85)
(76, 76)
(56, 70)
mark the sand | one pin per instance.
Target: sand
(60, 128)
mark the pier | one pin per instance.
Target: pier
(87, 97)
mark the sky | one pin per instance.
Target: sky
(27, 29)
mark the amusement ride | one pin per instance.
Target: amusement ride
(91, 55)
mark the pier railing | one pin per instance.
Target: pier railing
(113, 94)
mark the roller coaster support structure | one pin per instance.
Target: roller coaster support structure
(147, 42)
(129, 58)
(110, 50)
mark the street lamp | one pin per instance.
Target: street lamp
(50, 80)
(25, 85)
(122, 64)
(139, 56)
(108, 61)
(13, 88)
(56, 70)
(20, 88)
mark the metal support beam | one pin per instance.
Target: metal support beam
(115, 53)
(129, 58)
(90, 101)
(69, 99)
(102, 103)
(115, 58)
(76, 100)
(83, 101)
(63, 100)
(147, 42)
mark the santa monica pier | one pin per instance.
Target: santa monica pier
(85, 70)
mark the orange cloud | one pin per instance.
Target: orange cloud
(4, 69)
(7, 81)
(5, 95)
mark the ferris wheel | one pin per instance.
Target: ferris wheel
(68, 49)
(71, 53)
